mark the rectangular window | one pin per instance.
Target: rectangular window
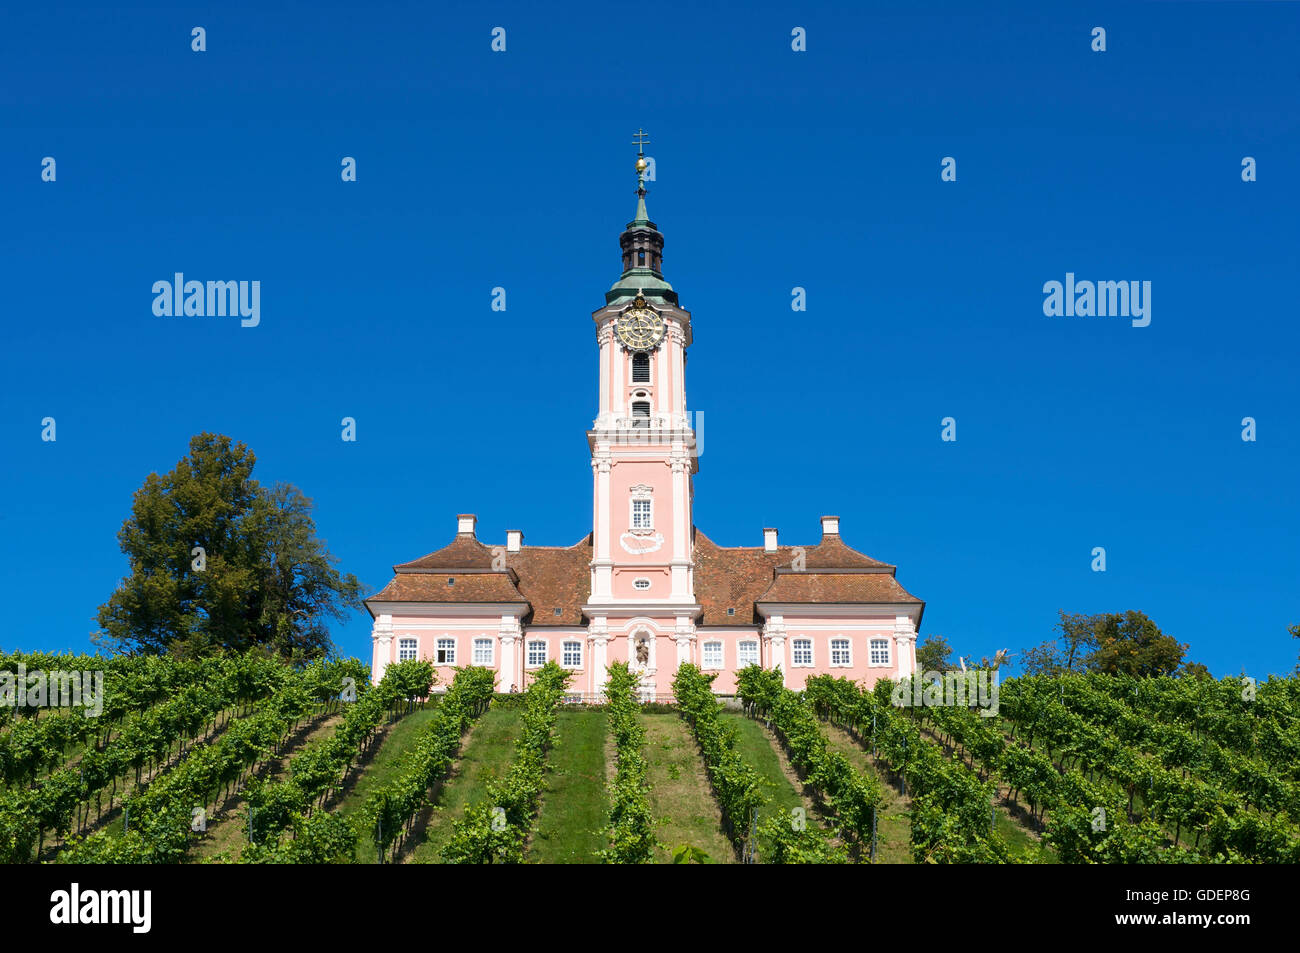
(802, 651)
(572, 654)
(712, 655)
(536, 654)
(407, 650)
(641, 368)
(747, 654)
(879, 651)
(840, 652)
(446, 652)
(641, 515)
(482, 651)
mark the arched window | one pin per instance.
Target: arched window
(641, 368)
(641, 413)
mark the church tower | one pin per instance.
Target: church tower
(642, 459)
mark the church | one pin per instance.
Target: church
(646, 586)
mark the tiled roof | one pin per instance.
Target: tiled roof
(436, 587)
(463, 552)
(554, 577)
(836, 587)
(726, 577)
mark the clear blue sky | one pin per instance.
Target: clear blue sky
(775, 169)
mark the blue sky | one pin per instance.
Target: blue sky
(775, 169)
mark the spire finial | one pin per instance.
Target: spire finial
(640, 140)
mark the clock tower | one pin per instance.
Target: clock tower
(643, 456)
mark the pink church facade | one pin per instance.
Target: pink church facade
(646, 586)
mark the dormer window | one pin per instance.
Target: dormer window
(451, 580)
(641, 368)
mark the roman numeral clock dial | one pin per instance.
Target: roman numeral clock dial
(640, 328)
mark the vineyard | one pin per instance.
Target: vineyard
(246, 760)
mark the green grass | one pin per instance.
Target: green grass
(680, 800)
(893, 818)
(757, 749)
(384, 765)
(487, 755)
(575, 805)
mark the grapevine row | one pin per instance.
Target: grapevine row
(495, 831)
(631, 828)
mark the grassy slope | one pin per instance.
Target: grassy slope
(575, 805)
(486, 755)
(383, 766)
(759, 749)
(227, 831)
(893, 822)
(680, 800)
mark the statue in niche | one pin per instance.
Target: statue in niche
(642, 651)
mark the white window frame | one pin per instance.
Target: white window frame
(740, 660)
(439, 648)
(719, 662)
(491, 650)
(848, 651)
(408, 645)
(528, 653)
(794, 652)
(871, 652)
(636, 584)
(649, 523)
(564, 654)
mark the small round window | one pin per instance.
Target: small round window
(641, 584)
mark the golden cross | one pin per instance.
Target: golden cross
(640, 141)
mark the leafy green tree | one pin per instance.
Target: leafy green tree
(1295, 634)
(1068, 651)
(218, 561)
(1132, 644)
(1112, 642)
(934, 654)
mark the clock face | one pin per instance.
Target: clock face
(640, 329)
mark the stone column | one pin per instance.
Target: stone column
(684, 633)
(774, 636)
(507, 636)
(381, 634)
(598, 633)
(904, 646)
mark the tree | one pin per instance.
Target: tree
(219, 562)
(1068, 651)
(1117, 643)
(1295, 634)
(1131, 644)
(933, 655)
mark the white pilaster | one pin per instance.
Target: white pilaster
(381, 634)
(684, 633)
(904, 646)
(599, 635)
(508, 636)
(774, 636)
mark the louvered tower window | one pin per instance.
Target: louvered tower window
(640, 368)
(641, 413)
